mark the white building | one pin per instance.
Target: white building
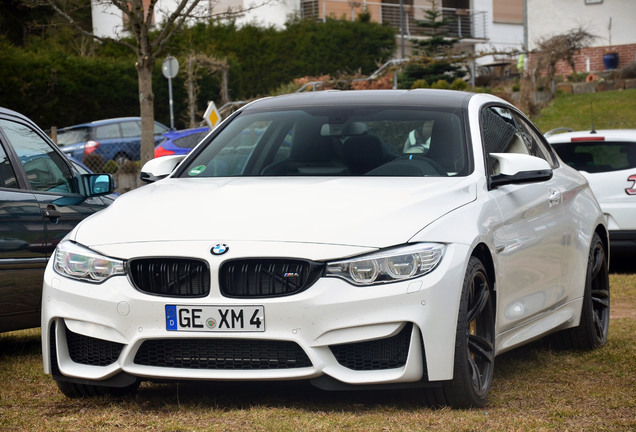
(482, 25)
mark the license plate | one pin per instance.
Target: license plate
(215, 318)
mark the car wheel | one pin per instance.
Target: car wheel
(73, 390)
(474, 343)
(594, 325)
(121, 158)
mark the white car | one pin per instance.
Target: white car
(607, 159)
(306, 241)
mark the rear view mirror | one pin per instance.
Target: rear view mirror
(159, 168)
(98, 184)
(517, 168)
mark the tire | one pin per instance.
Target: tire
(121, 158)
(474, 344)
(73, 390)
(593, 328)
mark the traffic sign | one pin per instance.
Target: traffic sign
(212, 116)
(170, 67)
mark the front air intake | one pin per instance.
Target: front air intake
(170, 277)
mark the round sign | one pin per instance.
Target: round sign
(170, 67)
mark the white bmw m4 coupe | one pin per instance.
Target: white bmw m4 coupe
(357, 240)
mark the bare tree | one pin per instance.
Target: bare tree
(150, 42)
(562, 47)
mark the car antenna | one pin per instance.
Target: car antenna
(593, 131)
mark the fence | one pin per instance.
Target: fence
(464, 23)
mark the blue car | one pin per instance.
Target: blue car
(117, 139)
(180, 142)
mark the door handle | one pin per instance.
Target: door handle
(555, 197)
(52, 213)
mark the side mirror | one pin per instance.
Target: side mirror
(515, 168)
(159, 168)
(98, 184)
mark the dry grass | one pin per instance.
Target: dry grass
(536, 388)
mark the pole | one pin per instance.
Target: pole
(402, 28)
(171, 109)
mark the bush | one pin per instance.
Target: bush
(129, 167)
(421, 83)
(459, 84)
(94, 162)
(110, 167)
(441, 84)
(629, 71)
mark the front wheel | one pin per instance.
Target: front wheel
(474, 343)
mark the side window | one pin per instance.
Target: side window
(505, 131)
(500, 135)
(159, 129)
(45, 169)
(7, 176)
(131, 129)
(107, 131)
(533, 142)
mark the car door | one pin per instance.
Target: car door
(21, 265)
(530, 243)
(40, 204)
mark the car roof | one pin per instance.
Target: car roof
(599, 135)
(101, 122)
(448, 99)
(9, 112)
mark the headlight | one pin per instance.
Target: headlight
(390, 265)
(77, 262)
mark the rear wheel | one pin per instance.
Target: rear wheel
(594, 325)
(474, 343)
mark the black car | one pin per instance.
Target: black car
(42, 198)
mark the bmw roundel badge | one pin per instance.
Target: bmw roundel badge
(220, 249)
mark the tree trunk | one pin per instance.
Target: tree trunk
(146, 109)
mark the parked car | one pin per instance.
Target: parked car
(350, 258)
(180, 142)
(42, 197)
(117, 139)
(607, 159)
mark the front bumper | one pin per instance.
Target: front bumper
(401, 332)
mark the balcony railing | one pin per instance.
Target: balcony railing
(464, 23)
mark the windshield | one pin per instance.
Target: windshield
(72, 136)
(335, 141)
(596, 157)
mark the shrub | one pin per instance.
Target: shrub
(110, 167)
(459, 84)
(129, 167)
(420, 83)
(94, 162)
(441, 84)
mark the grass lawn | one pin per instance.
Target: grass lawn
(612, 110)
(536, 388)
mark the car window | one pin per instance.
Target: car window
(504, 131)
(7, 176)
(72, 136)
(45, 168)
(598, 156)
(107, 131)
(535, 145)
(131, 129)
(336, 141)
(189, 141)
(159, 128)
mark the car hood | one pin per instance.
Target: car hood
(362, 211)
